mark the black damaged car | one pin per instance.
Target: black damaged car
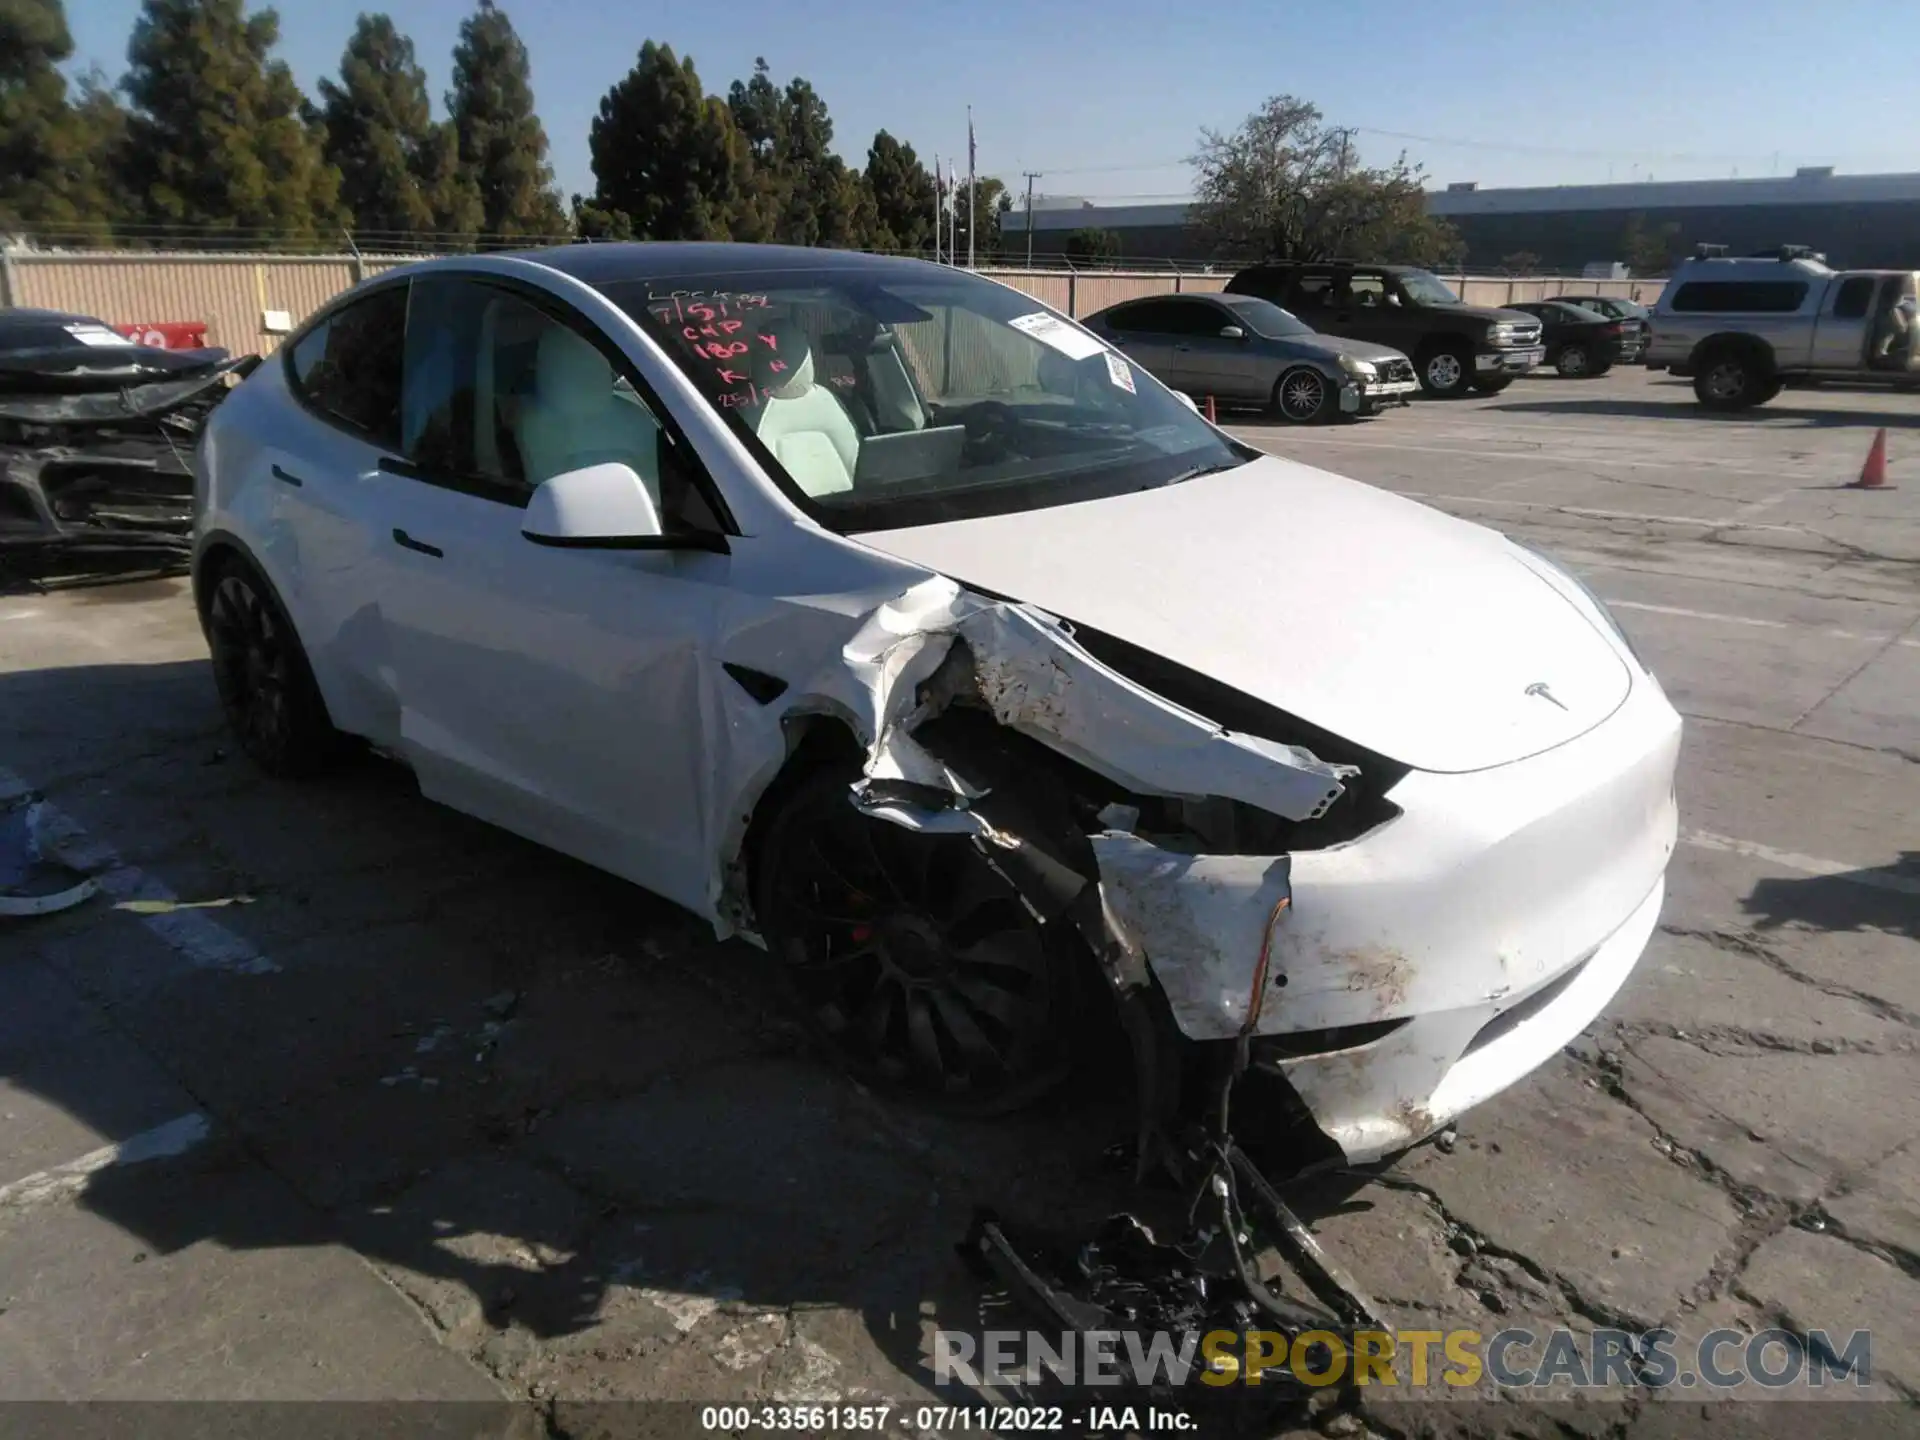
(96, 439)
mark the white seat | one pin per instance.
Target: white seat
(806, 427)
(576, 417)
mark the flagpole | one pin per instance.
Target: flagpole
(936, 209)
(972, 190)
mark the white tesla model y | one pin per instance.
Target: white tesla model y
(875, 611)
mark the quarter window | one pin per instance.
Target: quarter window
(348, 366)
(1765, 297)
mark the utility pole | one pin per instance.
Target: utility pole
(1032, 175)
(973, 191)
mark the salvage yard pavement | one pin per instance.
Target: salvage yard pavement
(333, 1094)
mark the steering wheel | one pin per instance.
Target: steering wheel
(990, 426)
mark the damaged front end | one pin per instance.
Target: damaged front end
(96, 445)
(1161, 831)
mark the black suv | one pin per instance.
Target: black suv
(1455, 346)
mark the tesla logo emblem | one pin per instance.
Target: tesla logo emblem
(1539, 687)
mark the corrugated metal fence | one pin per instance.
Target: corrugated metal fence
(248, 301)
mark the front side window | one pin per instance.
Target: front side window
(1263, 317)
(1425, 289)
(1151, 317)
(348, 366)
(1369, 292)
(886, 395)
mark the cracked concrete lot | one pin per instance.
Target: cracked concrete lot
(408, 1109)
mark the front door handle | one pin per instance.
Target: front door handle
(402, 538)
(288, 476)
(1183, 349)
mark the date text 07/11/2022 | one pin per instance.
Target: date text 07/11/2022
(944, 1419)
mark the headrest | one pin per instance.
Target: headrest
(792, 351)
(569, 374)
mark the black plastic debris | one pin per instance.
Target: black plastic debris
(31, 881)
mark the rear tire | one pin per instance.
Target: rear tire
(1446, 370)
(1303, 396)
(1733, 379)
(266, 685)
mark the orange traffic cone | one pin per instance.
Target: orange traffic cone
(1873, 474)
(1211, 418)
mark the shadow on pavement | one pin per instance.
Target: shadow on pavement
(1886, 897)
(544, 1104)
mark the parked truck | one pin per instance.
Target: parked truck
(1744, 327)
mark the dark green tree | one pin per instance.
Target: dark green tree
(1092, 243)
(502, 145)
(991, 205)
(590, 222)
(1650, 252)
(53, 155)
(902, 190)
(666, 154)
(380, 133)
(1286, 185)
(220, 145)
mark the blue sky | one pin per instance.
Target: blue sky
(1106, 97)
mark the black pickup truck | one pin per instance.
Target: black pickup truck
(1455, 346)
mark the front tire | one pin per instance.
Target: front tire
(1303, 396)
(910, 956)
(1446, 371)
(1491, 384)
(1574, 362)
(266, 685)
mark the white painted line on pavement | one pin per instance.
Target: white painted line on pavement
(1534, 457)
(176, 1137)
(189, 931)
(1808, 864)
(1862, 635)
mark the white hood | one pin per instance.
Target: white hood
(1418, 636)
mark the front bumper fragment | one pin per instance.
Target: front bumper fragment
(1441, 957)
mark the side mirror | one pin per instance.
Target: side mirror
(1232, 332)
(601, 507)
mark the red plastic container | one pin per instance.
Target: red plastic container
(167, 334)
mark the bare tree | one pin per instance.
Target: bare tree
(1287, 186)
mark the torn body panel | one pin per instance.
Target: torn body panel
(1522, 892)
(97, 459)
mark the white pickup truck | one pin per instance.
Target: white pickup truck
(1744, 328)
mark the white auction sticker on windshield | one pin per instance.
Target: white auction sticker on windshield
(95, 335)
(1069, 340)
(1120, 373)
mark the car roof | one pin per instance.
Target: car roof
(607, 263)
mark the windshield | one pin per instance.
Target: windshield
(900, 395)
(1263, 317)
(1425, 289)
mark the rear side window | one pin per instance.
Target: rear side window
(1854, 299)
(348, 366)
(1269, 284)
(1766, 297)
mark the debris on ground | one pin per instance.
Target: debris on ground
(31, 881)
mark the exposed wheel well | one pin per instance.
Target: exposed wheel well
(1749, 347)
(815, 743)
(213, 562)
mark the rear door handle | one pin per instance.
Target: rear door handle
(288, 476)
(402, 538)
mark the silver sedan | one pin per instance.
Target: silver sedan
(1242, 351)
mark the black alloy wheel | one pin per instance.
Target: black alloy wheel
(911, 956)
(266, 687)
